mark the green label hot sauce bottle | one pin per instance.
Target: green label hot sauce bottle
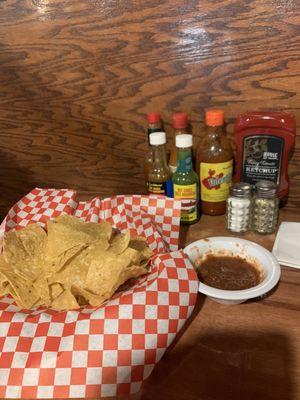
(185, 181)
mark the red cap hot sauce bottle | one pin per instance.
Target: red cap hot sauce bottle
(180, 123)
(154, 125)
(264, 141)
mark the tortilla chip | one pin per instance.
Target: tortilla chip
(23, 248)
(65, 301)
(11, 291)
(102, 230)
(120, 242)
(140, 244)
(73, 264)
(62, 237)
(74, 271)
(3, 285)
(133, 272)
(39, 303)
(41, 288)
(3, 265)
(135, 256)
(55, 290)
(89, 297)
(68, 219)
(103, 274)
(57, 263)
(67, 232)
(33, 238)
(22, 288)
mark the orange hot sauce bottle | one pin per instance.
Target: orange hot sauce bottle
(214, 164)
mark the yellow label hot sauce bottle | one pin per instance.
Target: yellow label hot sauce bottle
(214, 164)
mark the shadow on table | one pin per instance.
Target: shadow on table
(226, 366)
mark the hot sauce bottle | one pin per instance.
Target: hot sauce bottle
(154, 125)
(214, 164)
(159, 173)
(180, 124)
(185, 181)
(264, 140)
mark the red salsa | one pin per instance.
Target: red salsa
(227, 272)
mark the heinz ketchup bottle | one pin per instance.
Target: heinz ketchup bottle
(264, 141)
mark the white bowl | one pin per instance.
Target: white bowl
(245, 248)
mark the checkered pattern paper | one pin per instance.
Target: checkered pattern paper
(112, 349)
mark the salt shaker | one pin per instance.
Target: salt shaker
(265, 207)
(238, 211)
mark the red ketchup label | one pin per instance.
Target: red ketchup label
(264, 141)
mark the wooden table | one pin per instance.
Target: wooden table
(247, 351)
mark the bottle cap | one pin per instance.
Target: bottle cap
(183, 141)
(266, 189)
(180, 120)
(157, 138)
(214, 117)
(153, 117)
(241, 189)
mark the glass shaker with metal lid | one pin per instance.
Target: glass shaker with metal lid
(238, 209)
(265, 207)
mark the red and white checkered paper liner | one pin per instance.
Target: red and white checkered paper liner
(104, 351)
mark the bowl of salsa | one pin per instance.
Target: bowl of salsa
(232, 270)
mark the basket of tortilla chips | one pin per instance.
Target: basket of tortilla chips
(92, 293)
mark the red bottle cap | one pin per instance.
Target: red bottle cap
(180, 120)
(214, 117)
(153, 117)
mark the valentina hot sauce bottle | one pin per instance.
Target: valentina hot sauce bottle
(214, 164)
(264, 141)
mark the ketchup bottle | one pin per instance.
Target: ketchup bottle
(264, 141)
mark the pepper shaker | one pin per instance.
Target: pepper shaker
(238, 211)
(265, 207)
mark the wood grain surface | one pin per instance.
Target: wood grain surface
(78, 77)
(247, 351)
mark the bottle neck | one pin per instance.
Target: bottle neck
(214, 132)
(180, 131)
(153, 128)
(159, 156)
(184, 161)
